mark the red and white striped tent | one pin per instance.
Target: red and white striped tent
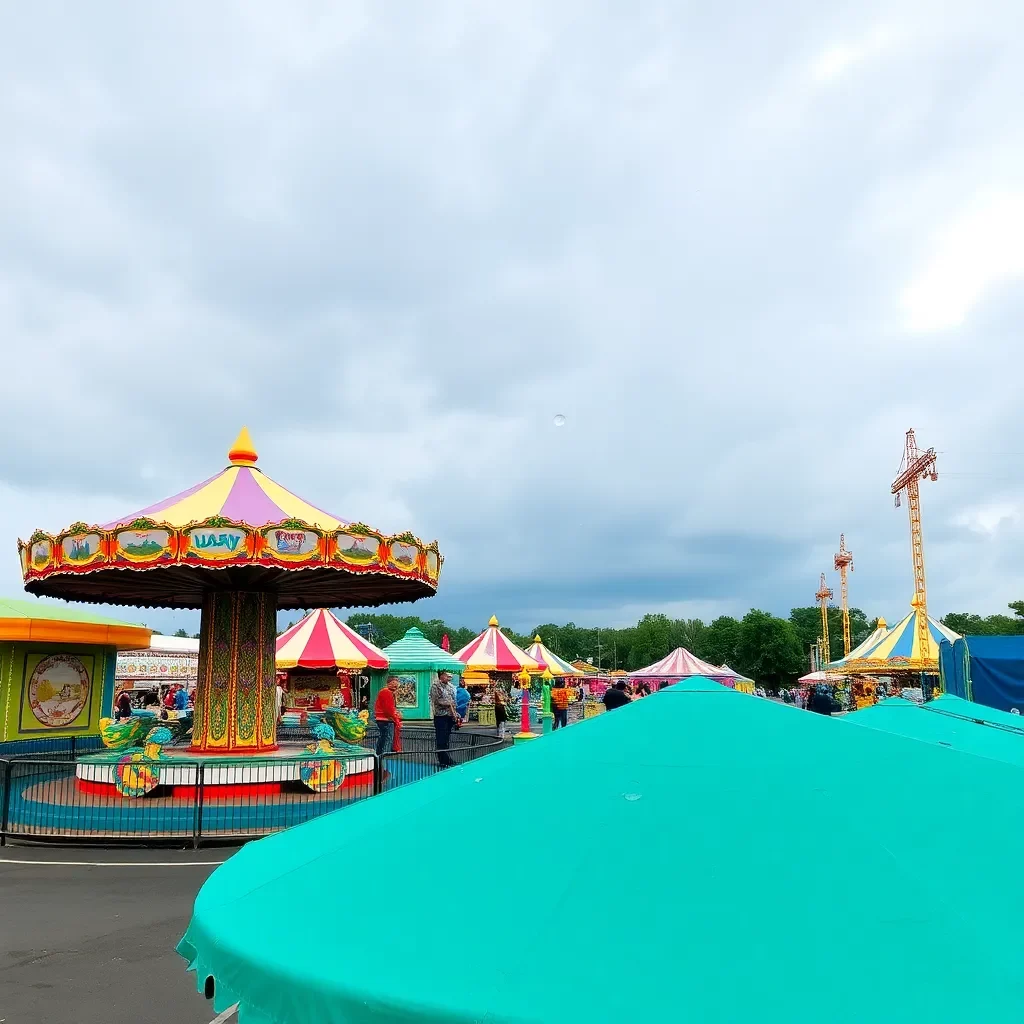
(492, 651)
(322, 641)
(680, 664)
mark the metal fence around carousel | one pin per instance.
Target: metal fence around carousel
(43, 797)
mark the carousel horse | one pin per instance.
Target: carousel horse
(118, 735)
(134, 774)
(325, 774)
(347, 727)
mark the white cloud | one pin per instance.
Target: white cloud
(976, 251)
(836, 60)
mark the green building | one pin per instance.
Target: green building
(57, 669)
(415, 661)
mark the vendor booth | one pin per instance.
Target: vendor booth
(415, 662)
(57, 669)
(321, 661)
(492, 659)
(986, 669)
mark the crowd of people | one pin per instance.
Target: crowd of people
(177, 697)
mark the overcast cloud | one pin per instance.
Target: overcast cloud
(740, 247)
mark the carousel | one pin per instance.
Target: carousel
(896, 655)
(238, 546)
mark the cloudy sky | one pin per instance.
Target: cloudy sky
(740, 247)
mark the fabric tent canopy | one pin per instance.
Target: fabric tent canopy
(950, 704)
(415, 653)
(492, 651)
(557, 666)
(727, 776)
(678, 665)
(900, 649)
(905, 718)
(990, 670)
(321, 640)
(873, 638)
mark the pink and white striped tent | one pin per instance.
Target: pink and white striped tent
(681, 664)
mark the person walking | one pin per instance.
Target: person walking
(442, 702)
(388, 719)
(500, 711)
(560, 706)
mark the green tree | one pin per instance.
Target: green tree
(719, 641)
(769, 650)
(181, 632)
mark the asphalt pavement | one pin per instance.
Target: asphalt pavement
(87, 936)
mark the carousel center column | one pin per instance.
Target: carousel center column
(235, 709)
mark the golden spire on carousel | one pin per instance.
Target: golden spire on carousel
(243, 452)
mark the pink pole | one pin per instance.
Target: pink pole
(524, 718)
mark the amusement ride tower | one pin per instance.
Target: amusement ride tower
(824, 595)
(916, 466)
(844, 565)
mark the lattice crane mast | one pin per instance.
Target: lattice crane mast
(824, 595)
(916, 466)
(844, 564)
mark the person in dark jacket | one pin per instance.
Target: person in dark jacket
(820, 701)
(123, 708)
(616, 696)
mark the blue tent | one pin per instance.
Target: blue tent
(989, 670)
(949, 682)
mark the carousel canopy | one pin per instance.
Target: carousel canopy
(238, 530)
(899, 649)
(492, 651)
(678, 665)
(323, 641)
(728, 779)
(586, 668)
(415, 653)
(876, 635)
(905, 718)
(545, 656)
(738, 676)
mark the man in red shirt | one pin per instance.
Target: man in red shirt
(388, 718)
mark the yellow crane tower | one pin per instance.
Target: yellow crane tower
(916, 466)
(824, 595)
(844, 564)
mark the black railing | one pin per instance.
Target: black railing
(194, 801)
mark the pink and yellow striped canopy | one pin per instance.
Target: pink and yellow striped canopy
(545, 656)
(492, 651)
(240, 493)
(321, 640)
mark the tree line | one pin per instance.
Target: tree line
(772, 650)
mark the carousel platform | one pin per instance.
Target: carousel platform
(179, 771)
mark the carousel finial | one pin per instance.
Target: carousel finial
(243, 453)
(537, 639)
(494, 621)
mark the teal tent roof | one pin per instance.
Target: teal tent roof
(745, 861)
(905, 718)
(948, 704)
(414, 652)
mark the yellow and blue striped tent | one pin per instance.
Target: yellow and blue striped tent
(899, 650)
(880, 631)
